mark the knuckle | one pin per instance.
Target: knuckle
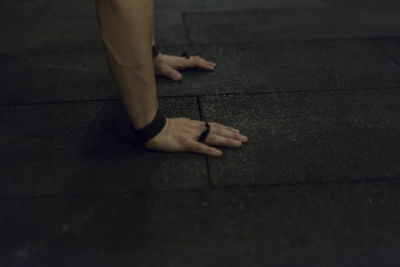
(187, 130)
(214, 124)
(236, 135)
(189, 145)
(197, 148)
(228, 141)
(215, 130)
(184, 120)
(184, 131)
(229, 134)
(194, 122)
(232, 142)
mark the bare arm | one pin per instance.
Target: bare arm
(127, 31)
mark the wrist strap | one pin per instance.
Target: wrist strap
(150, 130)
(154, 51)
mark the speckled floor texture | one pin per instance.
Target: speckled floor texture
(314, 84)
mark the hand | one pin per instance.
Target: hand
(165, 65)
(181, 134)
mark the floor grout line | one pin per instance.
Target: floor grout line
(48, 19)
(63, 102)
(384, 51)
(265, 43)
(201, 189)
(261, 44)
(210, 184)
(204, 95)
(186, 29)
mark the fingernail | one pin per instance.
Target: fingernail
(244, 138)
(219, 153)
(238, 143)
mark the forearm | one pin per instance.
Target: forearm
(127, 30)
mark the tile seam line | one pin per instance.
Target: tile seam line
(291, 91)
(61, 102)
(254, 43)
(232, 45)
(290, 9)
(213, 11)
(185, 28)
(250, 44)
(208, 11)
(372, 41)
(294, 41)
(261, 44)
(47, 19)
(205, 95)
(57, 67)
(202, 189)
(266, 43)
(210, 184)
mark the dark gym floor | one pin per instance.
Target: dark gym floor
(315, 84)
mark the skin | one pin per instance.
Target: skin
(127, 31)
(166, 65)
(180, 134)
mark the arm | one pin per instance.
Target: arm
(127, 33)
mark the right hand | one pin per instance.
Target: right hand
(181, 134)
(166, 65)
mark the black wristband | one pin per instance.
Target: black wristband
(150, 130)
(154, 51)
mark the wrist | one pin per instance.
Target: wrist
(154, 51)
(143, 118)
(144, 134)
(154, 142)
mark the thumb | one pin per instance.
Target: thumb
(173, 74)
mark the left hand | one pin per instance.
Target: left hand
(181, 134)
(166, 65)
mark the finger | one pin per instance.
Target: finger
(229, 132)
(218, 140)
(241, 137)
(201, 63)
(231, 129)
(182, 63)
(211, 63)
(194, 62)
(172, 74)
(202, 148)
(212, 67)
(206, 61)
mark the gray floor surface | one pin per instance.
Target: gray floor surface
(315, 84)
